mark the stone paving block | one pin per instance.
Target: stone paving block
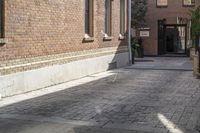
(131, 103)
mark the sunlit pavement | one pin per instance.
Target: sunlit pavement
(157, 95)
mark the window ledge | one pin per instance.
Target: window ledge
(108, 38)
(162, 6)
(192, 5)
(121, 37)
(3, 41)
(88, 39)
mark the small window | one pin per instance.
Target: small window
(122, 17)
(188, 2)
(162, 3)
(108, 16)
(89, 18)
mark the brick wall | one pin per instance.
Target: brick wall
(175, 9)
(44, 28)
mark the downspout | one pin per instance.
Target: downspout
(199, 51)
(129, 33)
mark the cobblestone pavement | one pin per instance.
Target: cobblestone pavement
(163, 63)
(132, 100)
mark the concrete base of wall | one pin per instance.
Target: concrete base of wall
(37, 79)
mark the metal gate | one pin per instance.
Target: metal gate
(161, 36)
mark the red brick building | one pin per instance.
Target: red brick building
(169, 24)
(47, 42)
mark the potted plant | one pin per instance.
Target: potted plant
(137, 48)
(139, 10)
(191, 50)
(195, 23)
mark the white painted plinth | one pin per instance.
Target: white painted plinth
(37, 79)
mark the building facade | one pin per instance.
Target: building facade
(47, 42)
(169, 26)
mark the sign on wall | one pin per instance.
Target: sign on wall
(144, 34)
(162, 2)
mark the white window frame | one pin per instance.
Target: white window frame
(162, 3)
(189, 2)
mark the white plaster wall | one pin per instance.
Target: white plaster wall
(36, 79)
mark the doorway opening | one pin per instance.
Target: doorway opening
(175, 38)
(172, 38)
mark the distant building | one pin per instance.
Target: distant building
(47, 42)
(169, 26)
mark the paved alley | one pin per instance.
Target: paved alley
(156, 95)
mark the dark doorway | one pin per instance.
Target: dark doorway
(170, 43)
(172, 38)
(161, 35)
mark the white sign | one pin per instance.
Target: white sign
(144, 34)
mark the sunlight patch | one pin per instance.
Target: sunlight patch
(169, 125)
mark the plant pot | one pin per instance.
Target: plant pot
(196, 66)
(192, 53)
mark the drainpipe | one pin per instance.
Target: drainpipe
(199, 51)
(129, 33)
